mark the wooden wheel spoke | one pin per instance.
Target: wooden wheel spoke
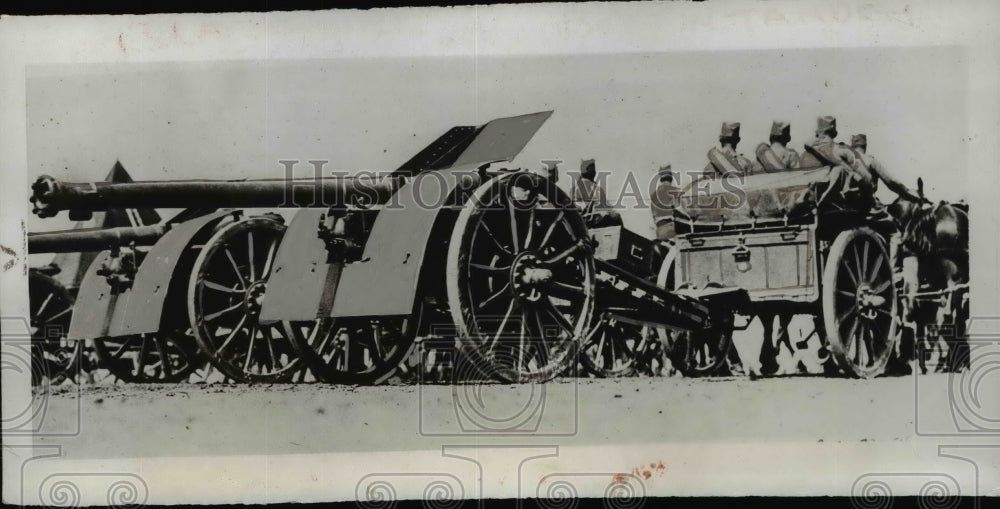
(270, 259)
(253, 338)
(236, 268)
(882, 287)
(552, 227)
(531, 228)
(857, 265)
(222, 288)
(377, 343)
(269, 339)
(59, 314)
(493, 237)
(559, 318)
(489, 268)
(164, 360)
(495, 296)
(213, 316)
(44, 304)
(513, 227)
(875, 268)
(121, 349)
(864, 263)
(500, 328)
(538, 340)
(566, 253)
(236, 330)
(141, 360)
(851, 311)
(850, 273)
(250, 255)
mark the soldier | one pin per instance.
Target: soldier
(776, 156)
(724, 160)
(592, 198)
(663, 202)
(871, 170)
(823, 151)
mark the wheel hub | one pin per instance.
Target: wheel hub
(527, 276)
(868, 301)
(254, 297)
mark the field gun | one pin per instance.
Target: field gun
(447, 245)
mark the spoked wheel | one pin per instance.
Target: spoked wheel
(701, 353)
(859, 303)
(51, 308)
(693, 353)
(152, 358)
(613, 348)
(353, 350)
(227, 284)
(520, 278)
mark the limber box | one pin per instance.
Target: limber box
(624, 248)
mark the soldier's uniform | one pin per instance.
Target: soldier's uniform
(724, 160)
(776, 156)
(591, 198)
(664, 199)
(871, 170)
(823, 151)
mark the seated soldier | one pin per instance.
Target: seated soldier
(591, 198)
(664, 199)
(776, 156)
(724, 160)
(871, 170)
(845, 180)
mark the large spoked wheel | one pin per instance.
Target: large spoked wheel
(51, 308)
(227, 284)
(694, 353)
(150, 358)
(614, 348)
(859, 303)
(520, 278)
(364, 351)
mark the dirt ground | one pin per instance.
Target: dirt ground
(199, 419)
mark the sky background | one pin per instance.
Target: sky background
(630, 112)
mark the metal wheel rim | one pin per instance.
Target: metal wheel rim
(244, 334)
(859, 303)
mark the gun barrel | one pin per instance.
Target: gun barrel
(50, 196)
(94, 239)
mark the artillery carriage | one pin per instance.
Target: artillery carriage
(795, 248)
(446, 246)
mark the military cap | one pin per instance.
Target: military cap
(859, 140)
(665, 173)
(588, 167)
(779, 128)
(826, 124)
(730, 130)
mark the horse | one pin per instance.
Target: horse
(937, 236)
